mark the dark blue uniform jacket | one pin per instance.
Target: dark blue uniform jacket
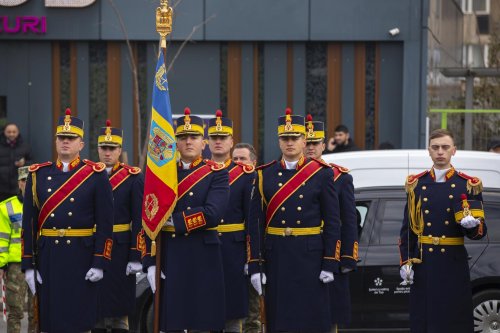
(68, 302)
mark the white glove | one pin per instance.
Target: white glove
(245, 269)
(326, 276)
(29, 276)
(406, 273)
(170, 221)
(94, 274)
(133, 267)
(152, 277)
(256, 282)
(469, 222)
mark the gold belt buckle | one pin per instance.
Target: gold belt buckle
(61, 232)
(435, 240)
(288, 231)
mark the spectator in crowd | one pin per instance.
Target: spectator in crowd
(385, 145)
(494, 145)
(341, 142)
(14, 153)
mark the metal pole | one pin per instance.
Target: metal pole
(469, 89)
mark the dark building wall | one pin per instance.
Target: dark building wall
(273, 27)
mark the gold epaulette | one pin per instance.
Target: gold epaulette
(247, 168)
(340, 168)
(323, 163)
(412, 181)
(36, 166)
(263, 166)
(474, 184)
(214, 165)
(131, 169)
(96, 166)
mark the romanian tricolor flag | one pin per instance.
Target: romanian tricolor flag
(160, 184)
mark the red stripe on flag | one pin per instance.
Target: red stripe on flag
(158, 206)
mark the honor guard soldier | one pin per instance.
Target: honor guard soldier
(11, 215)
(339, 290)
(118, 286)
(443, 206)
(192, 287)
(232, 226)
(294, 234)
(67, 233)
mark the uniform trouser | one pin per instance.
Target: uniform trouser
(15, 299)
(251, 324)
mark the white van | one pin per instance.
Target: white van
(390, 167)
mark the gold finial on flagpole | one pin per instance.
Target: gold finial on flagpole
(164, 21)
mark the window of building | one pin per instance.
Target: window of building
(483, 24)
(481, 7)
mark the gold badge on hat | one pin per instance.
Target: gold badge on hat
(310, 126)
(218, 121)
(108, 131)
(67, 121)
(288, 120)
(187, 119)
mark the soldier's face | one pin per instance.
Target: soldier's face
(109, 155)
(190, 147)
(314, 149)
(220, 145)
(68, 147)
(441, 150)
(242, 155)
(292, 147)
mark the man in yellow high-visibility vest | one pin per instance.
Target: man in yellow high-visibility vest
(11, 212)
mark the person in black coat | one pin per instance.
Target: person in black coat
(14, 153)
(341, 141)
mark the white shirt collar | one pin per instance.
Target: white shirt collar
(291, 165)
(65, 166)
(441, 175)
(185, 165)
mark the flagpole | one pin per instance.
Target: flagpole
(164, 28)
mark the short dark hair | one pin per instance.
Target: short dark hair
(342, 128)
(439, 133)
(493, 143)
(251, 149)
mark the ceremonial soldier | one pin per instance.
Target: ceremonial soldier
(443, 206)
(118, 286)
(339, 290)
(67, 233)
(295, 206)
(232, 226)
(192, 290)
(11, 215)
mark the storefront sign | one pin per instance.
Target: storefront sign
(50, 3)
(23, 24)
